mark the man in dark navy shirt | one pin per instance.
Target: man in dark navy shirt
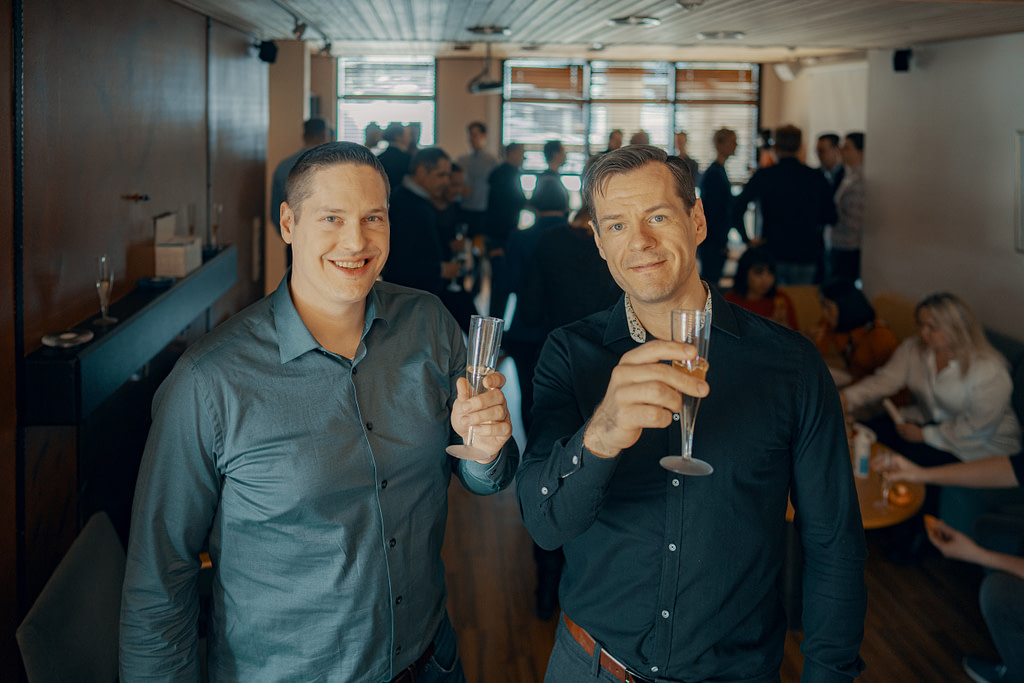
(673, 578)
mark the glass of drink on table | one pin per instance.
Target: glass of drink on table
(104, 285)
(481, 360)
(691, 327)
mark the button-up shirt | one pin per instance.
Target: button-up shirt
(319, 482)
(678, 577)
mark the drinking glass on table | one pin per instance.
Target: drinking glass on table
(692, 327)
(104, 285)
(481, 360)
(886, 480)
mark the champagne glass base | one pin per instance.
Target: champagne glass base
(689, 466)
(467, 453)
(104, 321)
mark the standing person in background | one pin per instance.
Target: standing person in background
(314, 132)
(831, 159)
(691, 164)
(614, 140)
(796, 204)
(554, 155)
(640, 138)
(478, 165)
(846, 234)
(505, 202)
(372, 135)
(303, 442)
(716, 196)
(395, 158)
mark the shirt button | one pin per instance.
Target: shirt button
(392, 543)
(369, 426)
(398, 600)
(575, 460)
(355, 371)
(384, 484)
(398, 649)
(675, 482)
(654, 669)
(672, 547)
(544, 490)
(664, 614)
(675, 417)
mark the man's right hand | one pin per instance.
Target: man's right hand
(643, 392)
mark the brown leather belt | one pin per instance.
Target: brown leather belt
(412, 672)
(608, 663)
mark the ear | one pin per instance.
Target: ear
(287, 222)
(699, 221)
(597, 238)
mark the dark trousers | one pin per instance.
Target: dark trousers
(844, 264)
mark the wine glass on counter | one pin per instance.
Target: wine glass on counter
(692, 327)
(104, 286)
(481, 360)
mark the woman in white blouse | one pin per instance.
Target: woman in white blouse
(960, 386)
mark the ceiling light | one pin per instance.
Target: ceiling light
(635, 20)
(597, 47)
(489, 30)
(689, 5)
(325, 51)
(462, 47)
(299, 30)
(530, 47)
(721, 35)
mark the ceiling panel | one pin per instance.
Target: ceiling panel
(775, 30)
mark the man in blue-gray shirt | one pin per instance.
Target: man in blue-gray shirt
(304, 442)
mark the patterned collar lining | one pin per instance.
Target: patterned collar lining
(637, 331)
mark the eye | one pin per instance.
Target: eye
(657, 219)
(617, 227)
(331, 219)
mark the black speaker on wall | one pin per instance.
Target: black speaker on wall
(901, 60)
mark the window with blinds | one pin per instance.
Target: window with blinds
(710, 96)
(382, 90)
(580, 103)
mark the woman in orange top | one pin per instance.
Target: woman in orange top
(848, 327)
(754, 288)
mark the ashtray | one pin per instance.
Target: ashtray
(900, 494)
(67, 339)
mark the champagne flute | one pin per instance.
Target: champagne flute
(886, 481)
(481, 360)
(692, 327)
(104, 285)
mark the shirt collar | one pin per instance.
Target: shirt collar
(294, 338)
(636, 329)
(411, 185)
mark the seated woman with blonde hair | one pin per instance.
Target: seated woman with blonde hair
(755, 289)
(849, 329)
(960, 385)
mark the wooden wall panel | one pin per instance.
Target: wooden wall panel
(8, 411)
(239, 118)
(115, 98)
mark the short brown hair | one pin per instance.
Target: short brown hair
(298, 187)
(602, 168)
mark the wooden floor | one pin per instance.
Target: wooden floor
(921, 620)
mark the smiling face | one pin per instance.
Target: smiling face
(339, 237)
(649, 239)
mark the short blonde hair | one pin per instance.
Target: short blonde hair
(960, 327)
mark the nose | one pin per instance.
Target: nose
(351, 238)
(642, 238)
